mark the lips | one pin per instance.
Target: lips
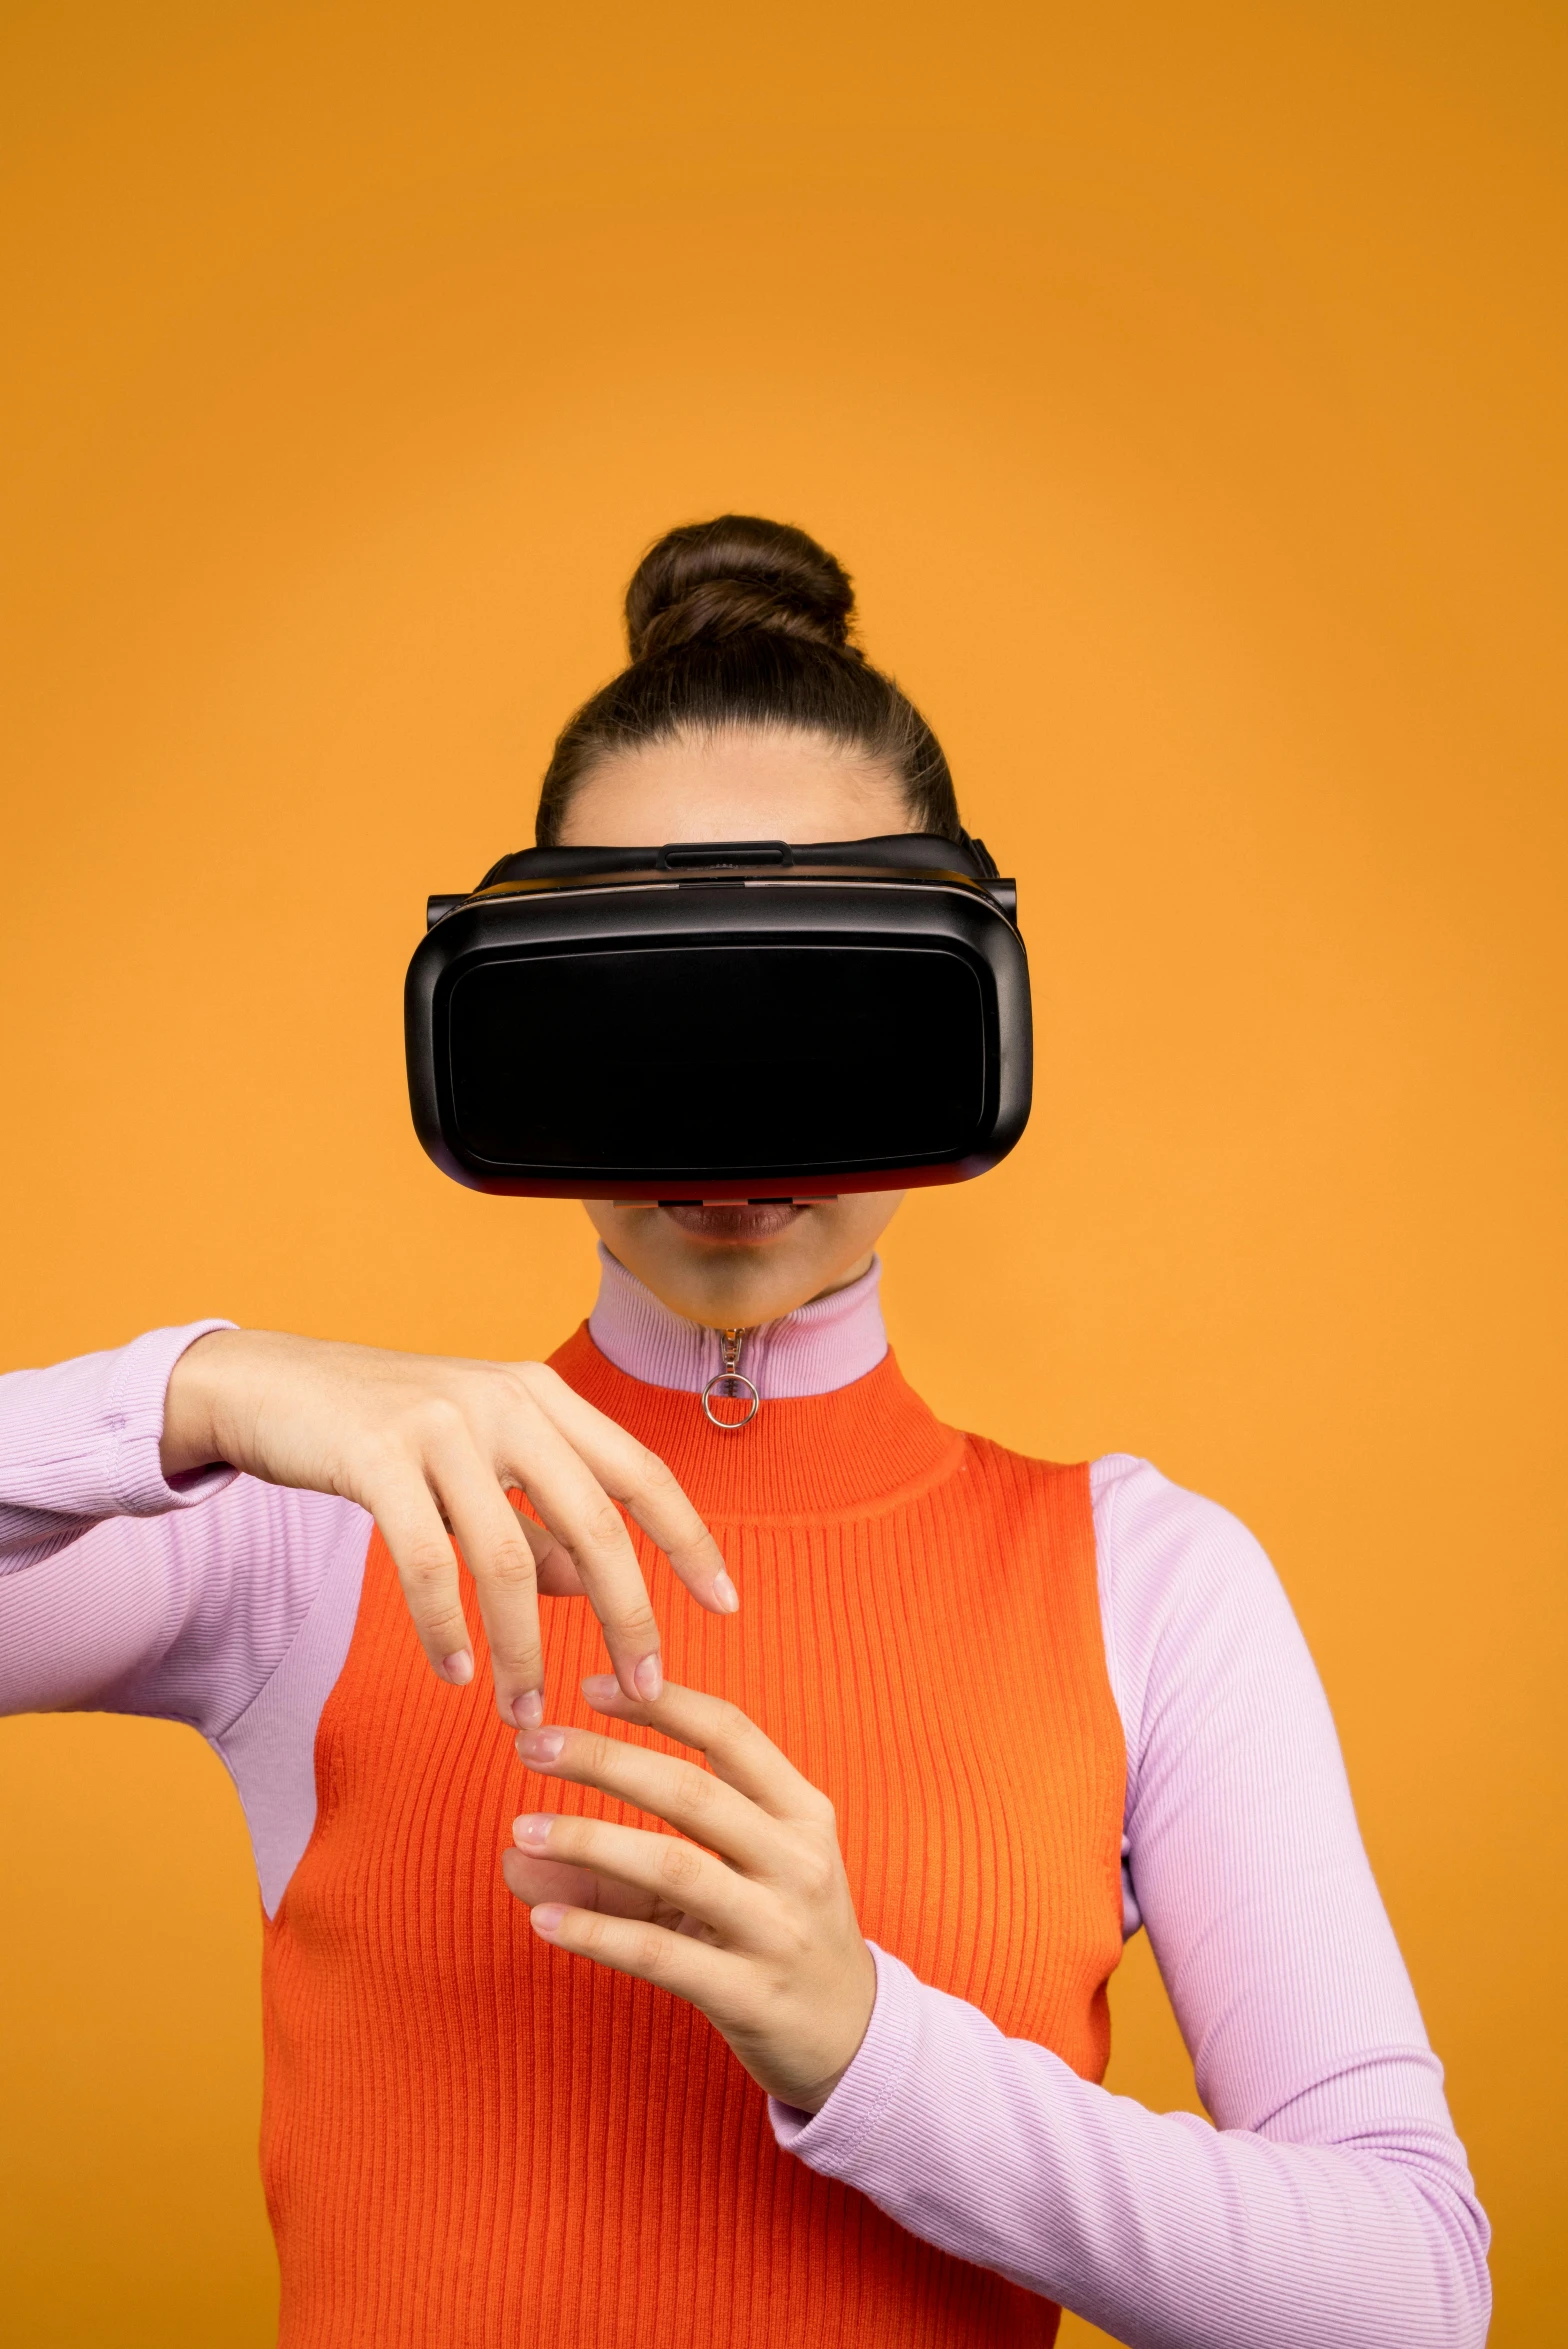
(740, 1226)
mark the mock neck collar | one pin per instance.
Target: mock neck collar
(813, 1351)
(856, 1451)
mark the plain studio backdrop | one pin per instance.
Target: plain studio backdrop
(1184, 388)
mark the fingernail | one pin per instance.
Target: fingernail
(459, 1668)
(601, 1688)
(533, 1832)
(528, 1709)
(648, 1680)
(725, 1592)
(541, 1745)
(547, 1916)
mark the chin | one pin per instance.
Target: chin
(736, 1264)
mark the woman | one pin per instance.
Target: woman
(969, 1719)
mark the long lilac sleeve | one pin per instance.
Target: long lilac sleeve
(1330, 2208)
(79, 1442)
(221, 1602)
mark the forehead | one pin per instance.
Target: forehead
(743, 783)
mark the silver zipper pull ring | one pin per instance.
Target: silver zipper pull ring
(729, 1384)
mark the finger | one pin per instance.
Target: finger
(558, 1577)
(660, 1867)
(406, 1511)
(693, 1800)
(533, 1880)
(586, 1521)
(738, 1751)
(500, 1558)
(629, 1472)
(709, 1977)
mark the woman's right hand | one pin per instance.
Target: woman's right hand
(431, 1446)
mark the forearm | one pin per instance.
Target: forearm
(122, 1590)
(1168, 2233)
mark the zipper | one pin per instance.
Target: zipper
(729, 1384)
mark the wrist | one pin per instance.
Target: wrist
(811, 2098)
(190, 1439)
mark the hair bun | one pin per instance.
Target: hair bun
(738, 571)
(738, 625)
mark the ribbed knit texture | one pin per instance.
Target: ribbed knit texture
(471, 2138)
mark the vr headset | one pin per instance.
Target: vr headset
(722, 1021)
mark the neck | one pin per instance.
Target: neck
(812, 1351)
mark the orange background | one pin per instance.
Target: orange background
(1185, 389)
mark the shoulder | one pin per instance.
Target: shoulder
(996, 1465)
(1157, 1542)
(1164, 1547)
(1039, 1506)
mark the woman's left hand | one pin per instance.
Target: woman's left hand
(751, 1920)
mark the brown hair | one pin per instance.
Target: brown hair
(741, 622)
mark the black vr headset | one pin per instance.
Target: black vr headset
(722, 1021)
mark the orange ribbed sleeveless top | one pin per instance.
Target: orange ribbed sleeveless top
(471, 2139)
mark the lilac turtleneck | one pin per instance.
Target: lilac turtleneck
(827, 1344)
(1329, 2205)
